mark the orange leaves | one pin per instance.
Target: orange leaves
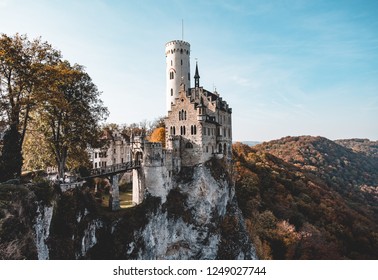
(158, 135)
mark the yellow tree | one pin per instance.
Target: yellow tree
(158, 135)
(70, 115)
(22, 66)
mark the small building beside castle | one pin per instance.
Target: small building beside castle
(116, 150)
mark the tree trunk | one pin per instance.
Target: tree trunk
(61, 163)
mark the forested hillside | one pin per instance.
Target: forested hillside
(308, 198)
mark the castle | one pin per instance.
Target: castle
(198, 126)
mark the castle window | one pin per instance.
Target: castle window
(181, 61)
(171, 63)
(181, 52)
(171, 91)
(207, 149)
(189, 145)
(185, 115)
(189, 76)
(180, 116)
(174, 130)
(195, 129)
(220, 148)
(171, 75)
(184, 130)
(191, 130)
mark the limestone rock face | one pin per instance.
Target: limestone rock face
(195, 217)
(191, 222)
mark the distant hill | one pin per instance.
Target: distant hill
(364, 146)
(251, 143)
(340, 167)
(308, 198)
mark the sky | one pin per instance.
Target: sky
(288, 67)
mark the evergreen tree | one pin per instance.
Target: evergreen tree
(11, 157)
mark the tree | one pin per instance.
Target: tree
(70, 115)
(22, 77)
(35, 151)
(22, 81)
(158, 135)
(11, 158)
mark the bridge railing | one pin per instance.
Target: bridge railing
(119, 167)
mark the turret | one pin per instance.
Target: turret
(177, 56)
(196, 77)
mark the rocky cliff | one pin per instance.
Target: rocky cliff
(197, 219)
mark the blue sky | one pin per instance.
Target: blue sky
(289, 67)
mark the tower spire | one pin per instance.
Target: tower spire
(196, 76)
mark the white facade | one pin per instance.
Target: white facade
(116, 151)
(177, 57)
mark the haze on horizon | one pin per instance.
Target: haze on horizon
(291, 67)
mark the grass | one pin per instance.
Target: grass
(125, 199)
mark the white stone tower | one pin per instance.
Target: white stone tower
(177, 57)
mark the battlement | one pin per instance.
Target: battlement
(177, 46)
(177, 42)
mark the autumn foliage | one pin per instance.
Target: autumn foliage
(158, 135)
(294, 211)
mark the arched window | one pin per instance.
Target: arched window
(171, 91)
(189, 145)
(195, 129)
(180, 116)
(185, 115)
(174, 130)
(171, 75)
(184, 130)
(191, 130)
(181, 130)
